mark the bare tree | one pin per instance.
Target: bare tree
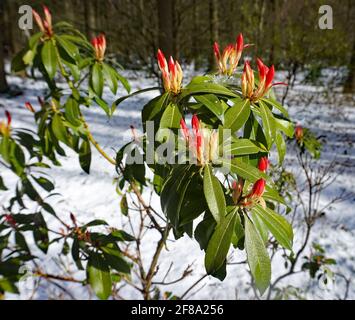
(3, 83)
(165, 25)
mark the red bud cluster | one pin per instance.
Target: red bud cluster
(171, 73)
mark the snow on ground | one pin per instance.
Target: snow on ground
(93, 196)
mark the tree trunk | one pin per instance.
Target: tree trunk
(90, 23)
(3, 83)
(165, 25)
(349, 86)
(214, 30)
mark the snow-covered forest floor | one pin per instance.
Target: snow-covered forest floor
(323, 109)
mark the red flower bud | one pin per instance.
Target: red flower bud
(8, 116)
(10, 220)
(240, 43)
(184, 129)
(171, 73)
(161, 60)
(258, 188)
(40, 101)
(45, 25)
(73, 219)
(228, 61)
(269, 77)
(216, 51)
(29, 107)
(298, 132)
(99, 44)
(263, 164)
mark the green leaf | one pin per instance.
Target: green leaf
(85, 155)
(269, 125)
(240, 147)
(103, 105)
(257, 256)
(45, 183)
(49, 58)
(281, 146)
(212, 103)
(237, 115)
(238, 235)
(17, 63)
(97, 79)
(40, 233)
(261, 228)
(182, 198)
(124, 205)
(273, 195)
(171, 117)
(72, 112)
(70, 48)
(285, 126)
(59, 129)
(278, 225)
(204, 231)
(124, 82)
(277, 105)
(122, 235)
(118, 263)
(219, 243)
(245, 170)
(214, 194)
(154, 107)
(206, 87)
(110, 77)
(99, 277)
(120, 100)
(2, 185)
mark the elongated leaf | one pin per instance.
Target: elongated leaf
(97, 80)
(219, 243)
(206, 87)
(212, 103)
(2, 185)
(204, 231)
(85, 155)
(269, 125)
(214, 194)
(277, 105)
(49, 58)
(72, 112)
(281, 146)
(240, 147)
(285, 126)
(154, 107)
(124, 82)
(44, 183)
(171, 117)
(237, 115)
(59, 129)
(258, 258)
(99, 277)
(118, 263)
(273, 195)
(278, 225)
(70, 48)
(110, 77)
(260, 227)
(120, 100)
(245, 170)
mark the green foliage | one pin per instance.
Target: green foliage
(186, 190)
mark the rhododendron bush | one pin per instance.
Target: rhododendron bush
(212, 177)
